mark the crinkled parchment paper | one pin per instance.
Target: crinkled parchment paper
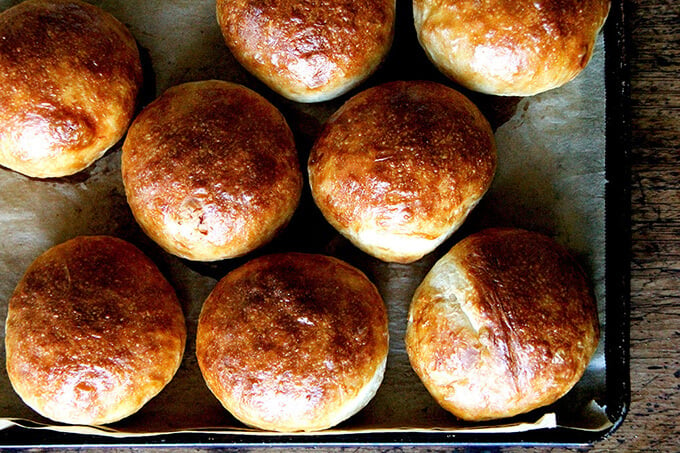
(550, 179)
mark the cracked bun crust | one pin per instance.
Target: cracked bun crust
(293, 342)
(509, 47)
(93, 332)
(308, 51)
(211, 170)
(70, 74)
(503, 324)
(399, 166)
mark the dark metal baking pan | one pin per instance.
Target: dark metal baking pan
(407, 61)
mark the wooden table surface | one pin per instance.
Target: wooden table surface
(653, 421)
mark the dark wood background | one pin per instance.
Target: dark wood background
(653, 421)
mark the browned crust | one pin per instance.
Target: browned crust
(311, 50)
(70, 74)
(211, 170)
(286, 340)
(406, 158)
(510, 47)
(93, 331)
(518, 337)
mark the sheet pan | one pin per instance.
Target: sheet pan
(563, 171)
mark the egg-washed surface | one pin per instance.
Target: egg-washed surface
(93, 332)
(211, 170)
(70, 74)
(504, 323)
(516, 48)
(312, 50)
(398, 167)
(293, 341)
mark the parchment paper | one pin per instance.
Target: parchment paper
(550, 179)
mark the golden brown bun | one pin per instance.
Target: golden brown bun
(93, 332)
(503, 324)
(509, 47)
(399, 166)
(70, 74)
(293, 342)
(211, 170)
(308, 51)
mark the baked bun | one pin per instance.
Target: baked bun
(308, 51)
(70, 74)
(509, 47)
(399, 166)
(211, 170)
(503, 324)
(293, 342)
(93, 332)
